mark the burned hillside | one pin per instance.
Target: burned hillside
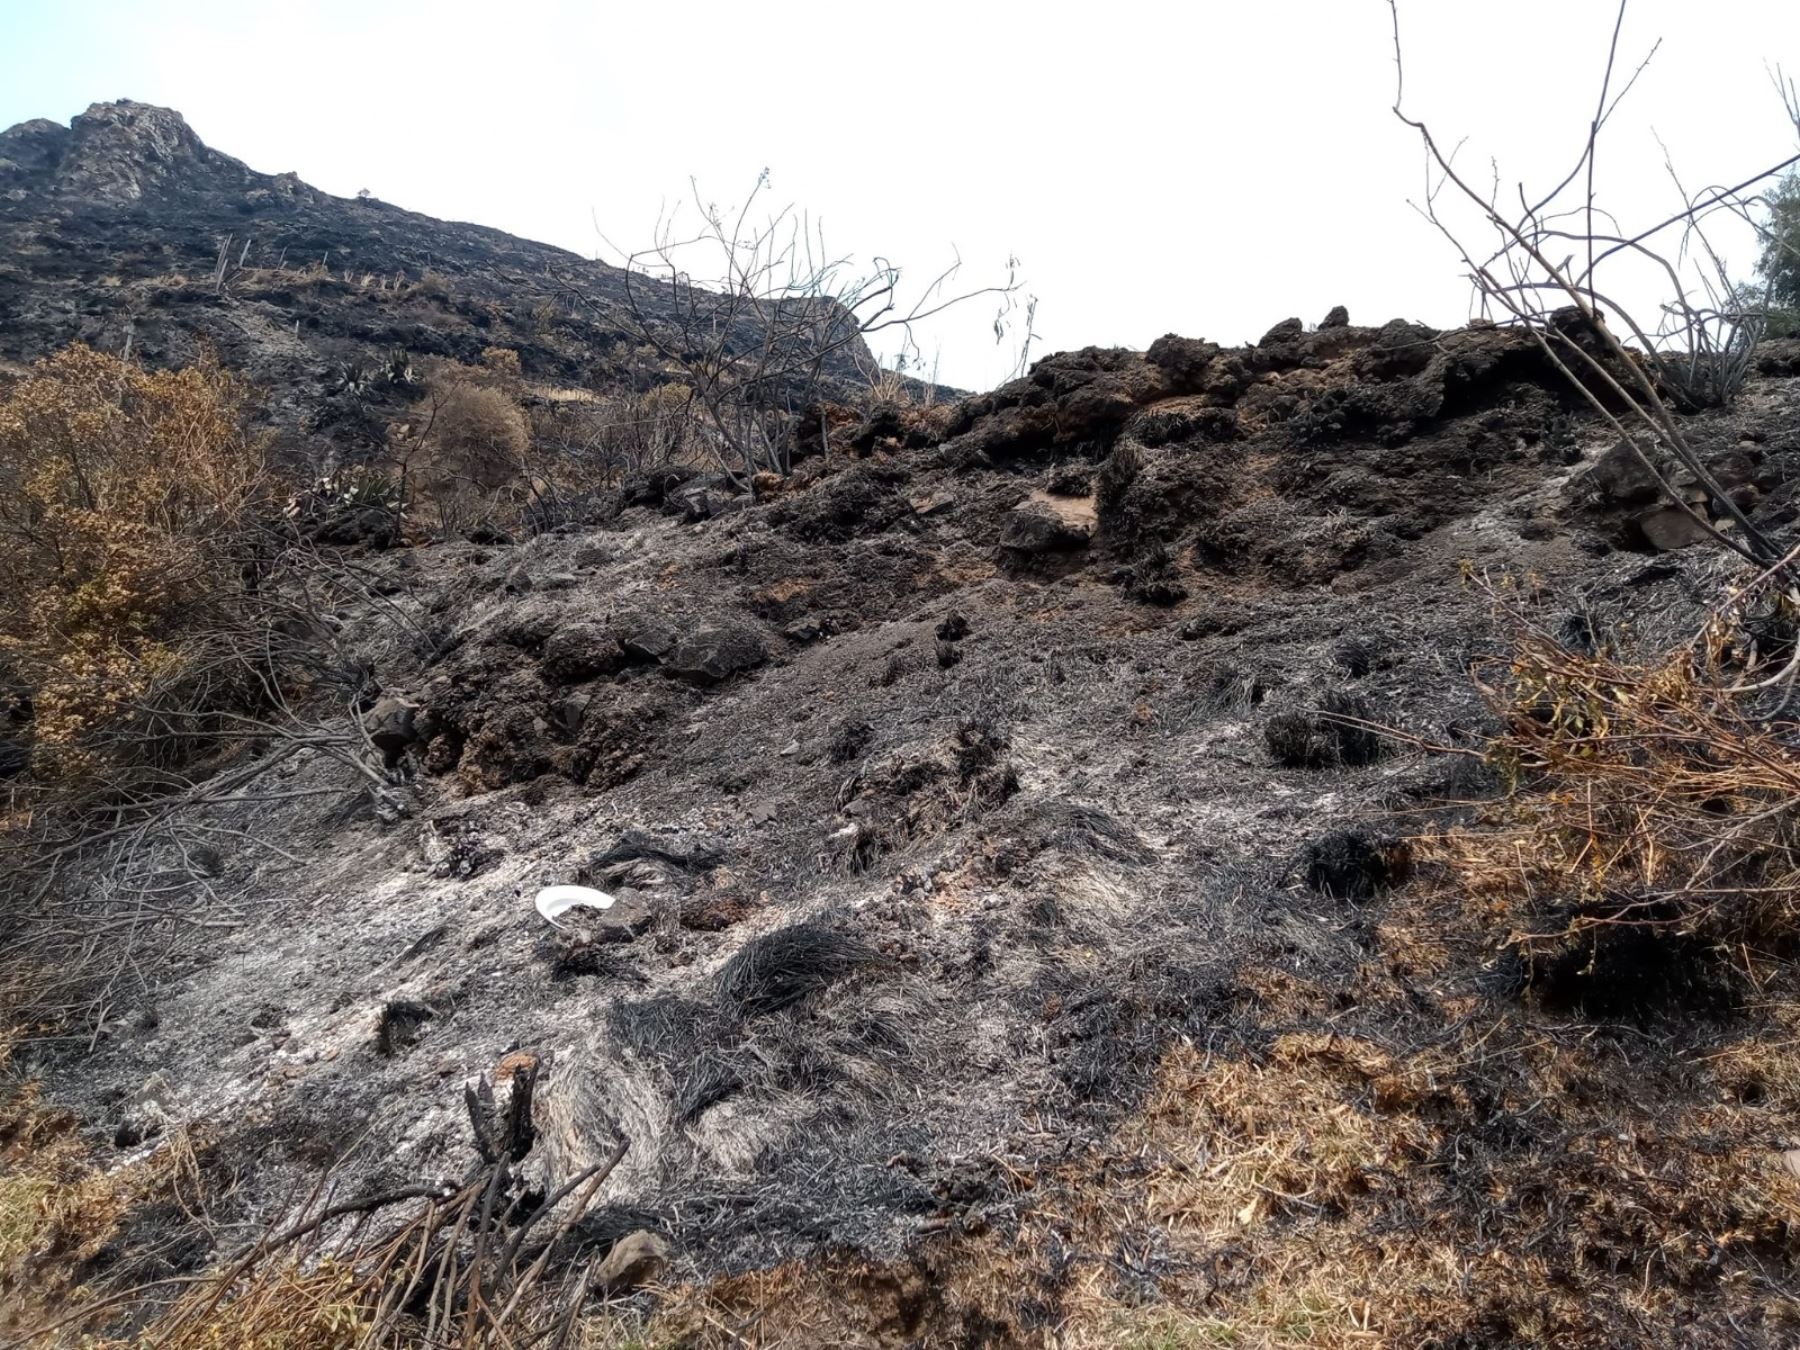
(1033, 918)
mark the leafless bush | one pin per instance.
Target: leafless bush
(1549, 271)
(761, 320)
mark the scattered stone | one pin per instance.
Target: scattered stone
(390, 726)
(1618, 478)
(1288, 330)
(628, 918)
(1667, 528)
(808, 630)
(932, 503)
(648, 638)
(570, 712)
(711, 655)
(954, 628)
(581, 651)
(1030, 531)
(698, 505)
(638, 1258)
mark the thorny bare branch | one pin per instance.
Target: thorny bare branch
(1699, 353)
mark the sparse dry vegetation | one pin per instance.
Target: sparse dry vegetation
(125, 498)
(1653, 796)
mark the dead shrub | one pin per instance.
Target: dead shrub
(437, 1263)
(125, 499)
(61, 1214)
(502, 361)
(473, 443)
(1651, 806)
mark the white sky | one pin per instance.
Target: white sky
(1206, 168)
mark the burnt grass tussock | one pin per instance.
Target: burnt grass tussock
(1023, 932)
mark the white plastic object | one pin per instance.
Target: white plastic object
(555, 901)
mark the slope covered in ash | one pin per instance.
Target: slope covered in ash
(1005, 863)
(124, 231)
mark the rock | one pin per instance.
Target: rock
(390, 725)
(581, 652)
(639, 1258)
(517, 582)
(625, 920)
(1183, 360)
(570, 712)
(808, 630)
(1338, 318)
(711, 655)
(1032, 531)
(1618, 478)
(648, 638)
(931, 503)
(1667, 528)
(954, 628)
(1288, 330)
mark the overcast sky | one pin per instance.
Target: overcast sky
(1206, 167)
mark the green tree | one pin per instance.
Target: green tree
(1779, 267)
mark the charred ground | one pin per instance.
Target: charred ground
(1017, 939)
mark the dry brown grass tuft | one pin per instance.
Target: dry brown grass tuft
(1651, 807)
(484, 1264)
(60, 1211)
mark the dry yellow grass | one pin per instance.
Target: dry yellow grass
(120, 490)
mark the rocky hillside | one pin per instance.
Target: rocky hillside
(1022, 931)
(123, 231)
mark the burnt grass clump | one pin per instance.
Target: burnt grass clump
(779, 969)
(1355, 865)
(1637, 971)
(1336, 734)
(398, 1027)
